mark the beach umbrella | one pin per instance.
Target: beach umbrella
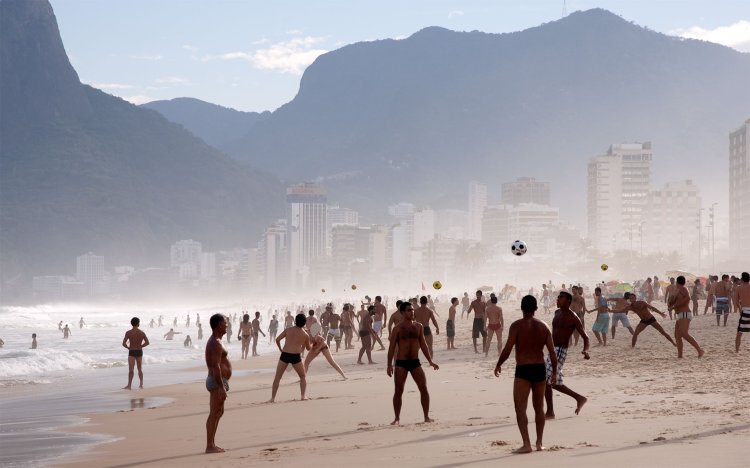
(624, 287)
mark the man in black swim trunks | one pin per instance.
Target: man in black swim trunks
(477, 328)
(408, 337)
(135, 340)
(529, 335)
(295, 339)
(641, 308)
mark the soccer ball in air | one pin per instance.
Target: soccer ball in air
(354, 286)
(437, 285)
(604, 267)
(323, 290)
(518, 248)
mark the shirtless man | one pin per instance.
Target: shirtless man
(377, 325)
(66, 332)
(545, 298)
(169, 336)
(710, 294)
(256, 329)
(273, 328)
(680, 302)
(669, 291)
(319, 345)
(395, 319)
(465, 302)
(450, 324)
(246, 331)
(648, 291)
(424, 315)
(296, 340)
(723, 291)
(696, 294)
(334, 322)
(365, 333)
(578, 305)
(313, 327)
(347, 326)
(563, 324)
(408, 337)
(217, 382)
(288, 320)
(742, 302)
(495, 324)
(530, 336)
(641, 309)
(324, 319)
(601, 325)
(621, 303)
(135, 340)
(477, 327)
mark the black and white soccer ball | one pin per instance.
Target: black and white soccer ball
(518, 248)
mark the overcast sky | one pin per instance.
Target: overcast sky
(250, 55)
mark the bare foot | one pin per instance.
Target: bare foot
(580, 404)
(271, 400)
(382, 348)
(549, 416)
(360, 363)
(395, 422)
(127, 388)
(215, 449)
(372, 362)
(429, 420)
(540, 447)
(524, 449)
(701, 353)
(303, 399)
(140, 386)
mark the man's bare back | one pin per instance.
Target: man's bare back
(535, 333)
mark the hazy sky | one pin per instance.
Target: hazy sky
(250, 55)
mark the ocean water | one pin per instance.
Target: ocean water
(44, 390)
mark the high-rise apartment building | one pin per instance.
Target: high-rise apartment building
(90, 272)
(423, 228)
(185, 251)
(477, 204)
(739, 191)
(306, 224)
(619, 183)
(272, 259)
(525, 190)
(670, 221)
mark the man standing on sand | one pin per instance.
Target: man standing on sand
(601, 325)
(217, 382)
(408, 337)
(723, 291)
(465, 302)
(530, 336)
(579, 307)
(424, 315)
(395, 319)
(380, 317)
(477, 328)
(325, 319)
(135, 340)
(742, 302)
(296, 340)
(668, 294)
(545, 298)
(563, 324)
(334, 321)
(256, 329)
(365, 333)
(641, 309)
(450, 324)
(680, 302)
(495, 323)
(347, 325)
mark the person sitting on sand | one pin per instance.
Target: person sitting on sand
(563, 324)
(296, 340)
(319, 345)
(530, 336)
(408, 337)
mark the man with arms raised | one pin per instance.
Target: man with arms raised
(136, 340)
(494, 325)
(296, 340)
(641, 309)
(408, 337)
(477, 328)
(563, 324)
(424, 315)
(742, 302)
(680, 302)
(217, 382)
(529, 335)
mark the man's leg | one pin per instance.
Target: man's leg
(216, 410)
(663, 332)
(598, 337)
(138, 362)
(685, 332)
(366, 342)
(131, 363)
(308, 359)
(399, 379)
(280, 368)
(550, 414)
(737, 341)
(361, 353)
(726, 316)
(580, 399)
(678, 338)
(614, 326)
(421, 380)
(537, 400)
(332, 363)
(499, 341)
(302, 380)
(521, 389)
(487, 344)
(428, 339)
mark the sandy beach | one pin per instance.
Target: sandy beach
(645, 408)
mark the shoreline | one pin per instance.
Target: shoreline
(645, 407)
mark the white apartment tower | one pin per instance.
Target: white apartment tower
(671, 220)
(477, 204)
(739, 191)
(306, 224)
(619, 183)
(90, 272)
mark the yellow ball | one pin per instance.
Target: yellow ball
(354, 286)
(437, 285)
(604, 267)
(322, 290)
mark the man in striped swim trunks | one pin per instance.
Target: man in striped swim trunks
(742, 301)
(723, 290)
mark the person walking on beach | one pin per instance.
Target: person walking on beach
(425, 315)
(679, 301)
(245, 333)
(669, 294)
(450, 324)
(494, 325)
(135, 340)
(529, 336)
(742, 302)
(256, 330)
(288, 320)
(563, 324)
(296, 340)
(319, 345)
(408, 337)
(465, 303)
(347, 325)
(217, 382)
(477, 328)
(66, 332)
(334, 330)
(578, 305)
(200, 331)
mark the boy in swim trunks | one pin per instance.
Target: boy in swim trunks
(494, 325)
(641, 309)
(296, 340)
(529, 336)
(136, 340)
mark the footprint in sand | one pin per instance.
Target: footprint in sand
(498, 443)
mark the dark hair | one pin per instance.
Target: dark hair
(398, 303)
(681, 280)
(723, 277)
(33, 335)
(528, 304)
(567, 295)
(479, 291)
(626, 295)
(346, 306)
(454, 299)
(378, 298)
(257, 314)
(493, 299)
(403, 306)
(371, 309)
(746, 277)
(135, 321)
(423, 300)
(311, 312)
(300, 320)
(246, 317)
(215, 320)
(598, 289)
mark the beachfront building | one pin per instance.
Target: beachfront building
(739, 191)
(477, 204)
(306, 229)
(525, 190)
(90, 272)
(671, 220)
(619, 183)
